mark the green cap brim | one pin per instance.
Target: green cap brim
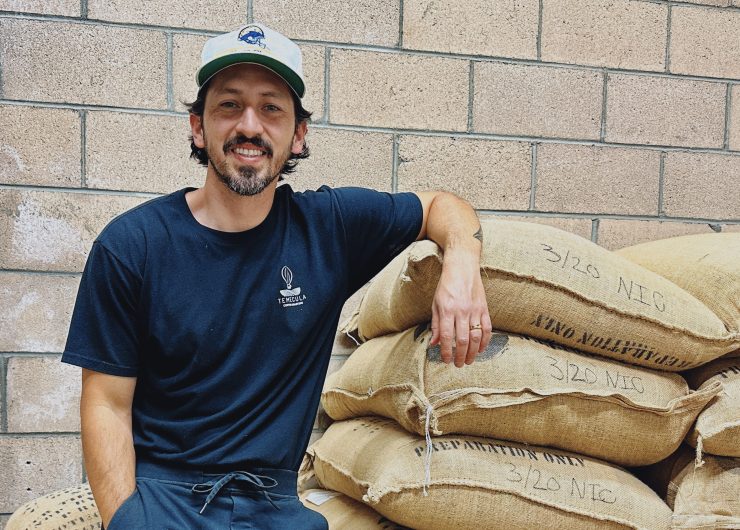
(288, 75)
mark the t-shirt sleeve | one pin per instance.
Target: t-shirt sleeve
(378, 226)
(103, 333)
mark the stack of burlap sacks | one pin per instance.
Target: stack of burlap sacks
(579, 381)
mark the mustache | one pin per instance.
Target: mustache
(241, 139)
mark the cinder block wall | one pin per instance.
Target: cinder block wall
(618, 120)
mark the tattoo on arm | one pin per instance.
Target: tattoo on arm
(479, 234)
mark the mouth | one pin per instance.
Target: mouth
(248, 149)
(249, 153)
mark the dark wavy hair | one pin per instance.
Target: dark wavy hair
(199, 154)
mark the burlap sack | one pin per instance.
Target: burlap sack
(344, 513)
(478, 483)
(67, 509)
(519, 389)
(718, 425)
(547, 283)
(705, 265)
(706, 497)
(659, 475)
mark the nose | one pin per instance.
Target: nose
(249, 123)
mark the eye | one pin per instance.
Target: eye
(228, 105)
(272, 108)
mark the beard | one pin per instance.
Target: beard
(245, 180)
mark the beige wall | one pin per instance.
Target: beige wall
(618, 120)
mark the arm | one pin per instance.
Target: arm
(460, 299)
(107, 440)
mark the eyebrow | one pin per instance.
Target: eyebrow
(267, 93)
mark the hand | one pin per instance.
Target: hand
(459, 304)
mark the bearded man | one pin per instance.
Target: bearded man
(205, 318)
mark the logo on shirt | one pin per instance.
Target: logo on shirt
(290, 296)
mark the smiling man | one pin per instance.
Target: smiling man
(205, 318)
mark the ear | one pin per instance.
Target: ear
(299, 138)
(196, 128)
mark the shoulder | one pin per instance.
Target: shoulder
(346, 197)
(127, 235)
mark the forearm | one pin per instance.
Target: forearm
(108, 449)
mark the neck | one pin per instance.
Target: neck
(216, 206)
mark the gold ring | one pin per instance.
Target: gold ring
(474, 326)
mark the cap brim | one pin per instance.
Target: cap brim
(288, 75)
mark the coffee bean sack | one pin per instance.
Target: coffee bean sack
(345, 513)
(477, 483)
(546, 283)
(68, 509)
(519, 389)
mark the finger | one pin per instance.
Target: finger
(462, 336)
(446, 334)
(475, 334)
(475, 338)
(435, 325)
(487, 331)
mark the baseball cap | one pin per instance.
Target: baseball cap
(253, 43)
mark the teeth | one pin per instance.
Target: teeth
(248, 152)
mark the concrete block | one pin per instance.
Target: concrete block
(36, 311)
(25, 131)
(620, 233)
(590, 179)
(578, 226)
(705, 41)
(718, 3)
(314, 59)
(37, 465)
(97, 65)
(224, 15)
(186, 60)
(701, 185)
(54, 231)
(507, 28)
(616, 34)
(491, 175)
(397, 90)
(345, 158)
(43, 395)
(516, 99)
(65, 8)
(735, 118)
(140, 152)
(360, 22)
(185, 63)
(665, 111)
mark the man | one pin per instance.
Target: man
(205, 319)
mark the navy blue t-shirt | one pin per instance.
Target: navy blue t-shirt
(230, 334)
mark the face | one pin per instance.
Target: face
(248, 127)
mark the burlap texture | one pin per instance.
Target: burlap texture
(522, 390)
(478, 483)
(67, 509)
(705, 265)
(706, 497)
(718, 424)
(659, 475)
(344, 513)
(546, 283)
